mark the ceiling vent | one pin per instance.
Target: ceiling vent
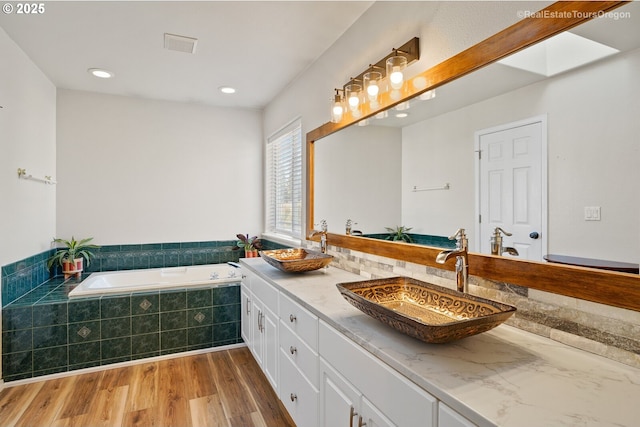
(180, 43)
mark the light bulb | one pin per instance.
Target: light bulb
(354, 101)
(396, 78)
(337, 112)
(373, 90)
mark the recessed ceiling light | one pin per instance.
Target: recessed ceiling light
(402, 115)
(227, 89)
(100, 73)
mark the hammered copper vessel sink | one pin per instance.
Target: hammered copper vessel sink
(296, 260)
(428, 312)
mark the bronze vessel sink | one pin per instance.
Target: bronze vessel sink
(428, 312)
(296, 260)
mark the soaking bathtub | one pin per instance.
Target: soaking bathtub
(127, 281)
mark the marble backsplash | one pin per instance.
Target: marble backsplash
(610, 332)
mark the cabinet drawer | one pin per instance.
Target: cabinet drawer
(403, 402)
(265, 292)
(300, 320)
(300, 354)
(297, 394)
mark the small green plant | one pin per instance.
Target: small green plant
(399, 234)
(248, 243)
(71, 250)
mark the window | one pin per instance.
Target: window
(284, 181)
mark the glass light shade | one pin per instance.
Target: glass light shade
(337, 109)
(353, 92)
(395, 71)
(371, 82)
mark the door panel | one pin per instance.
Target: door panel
(512, 187)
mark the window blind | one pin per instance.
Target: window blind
(284, 181)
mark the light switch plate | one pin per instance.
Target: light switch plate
(592, 213)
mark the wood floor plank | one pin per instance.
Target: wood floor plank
(173, 404)
(47, 403)
(108, 407)
(12, 400)
(232, 392)
(143, 390)
(147, 417)
(82, 394)
(199, 372)
(207, 411)
(155, 394)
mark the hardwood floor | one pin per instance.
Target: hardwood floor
(219, 389)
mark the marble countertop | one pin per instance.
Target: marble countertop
(504, 377)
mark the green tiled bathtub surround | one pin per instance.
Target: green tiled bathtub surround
(421, 239)
(48, 337)
(20, 278)
(23, 276)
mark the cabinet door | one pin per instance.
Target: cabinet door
(339, 401)
(257, 338)
(372, 417)
(245, 301)
(270, 347)
(297, 394)
(448, 417)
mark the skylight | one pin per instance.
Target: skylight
(558, 54)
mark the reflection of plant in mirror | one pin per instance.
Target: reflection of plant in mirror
(399, 234)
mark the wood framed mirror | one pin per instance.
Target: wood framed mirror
(611, 288)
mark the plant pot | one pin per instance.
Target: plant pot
(71, 268)
(250, 253)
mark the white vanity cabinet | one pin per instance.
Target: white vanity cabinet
(447, 417)
(260, 323)
(299, 362)
(356, 389)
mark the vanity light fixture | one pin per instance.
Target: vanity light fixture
(100, 73)
(337, 107)
(362, 94)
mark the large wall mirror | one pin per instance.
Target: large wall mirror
(421, 171)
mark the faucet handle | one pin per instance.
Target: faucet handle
(499, 230)
(461, 239)
(460, 234)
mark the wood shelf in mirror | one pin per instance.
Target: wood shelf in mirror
(605, 287)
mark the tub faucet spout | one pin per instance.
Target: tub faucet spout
(461, 253)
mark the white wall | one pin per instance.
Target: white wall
(27, 140)
(593, 155)
(348, 165)
(141, 171)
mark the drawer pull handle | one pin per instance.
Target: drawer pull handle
(294, 397)
(361, 421)
(292, 318)
(248, 306)
(293, 350)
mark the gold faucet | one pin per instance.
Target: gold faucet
(461, 252)
(323, 236)
(496, 243)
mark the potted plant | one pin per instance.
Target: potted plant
(249, 244)
(70, 257)
(399, 234)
